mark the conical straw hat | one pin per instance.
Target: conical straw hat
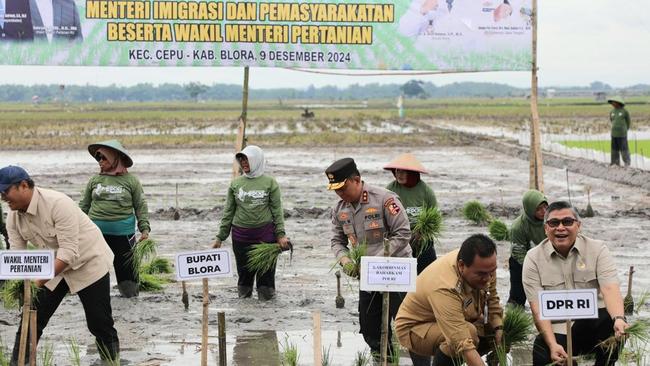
(406, 162)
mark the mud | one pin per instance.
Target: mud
(155, 330)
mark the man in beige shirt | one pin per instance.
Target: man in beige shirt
(455, 311)
(51, 220)
(569, 260)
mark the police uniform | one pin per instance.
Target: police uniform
(376, 215)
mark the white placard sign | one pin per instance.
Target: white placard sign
(388, 274)
(203, 264)
(568, 304)
(26, 264)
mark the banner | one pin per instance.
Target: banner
(434, 35)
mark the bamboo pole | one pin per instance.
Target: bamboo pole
(536, 175)
(204, 334)
(318, 344)
(385, 319)
(569, 343)
(240, 143)
(223, 360)
(33, 338)
(24, 327)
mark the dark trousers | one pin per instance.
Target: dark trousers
(586, 334)
(517, 294)
(370, 304)
(246, 277)
(619, 146)
(122, 247)
(96, 301)
(427, 257)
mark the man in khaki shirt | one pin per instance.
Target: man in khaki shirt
(569, 260)
(455, 311)
(51, 220)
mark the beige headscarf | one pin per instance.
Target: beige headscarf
(114, 158)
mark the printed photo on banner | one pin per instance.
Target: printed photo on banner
(40, 21)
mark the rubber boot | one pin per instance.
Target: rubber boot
(265, 293)
(419, 360)
(128, 289)
(244, 291)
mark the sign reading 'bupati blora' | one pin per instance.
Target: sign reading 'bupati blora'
(203, 264)
(345, 34)
(26, 264)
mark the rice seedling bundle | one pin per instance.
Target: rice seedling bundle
(158, 265)
(475, 212)
(499, 230)
(518, 326)
(353, 268)
(428, 227)
(150, 283)
(12, 293)
(638, 332)
(142, 251)
(263, 257)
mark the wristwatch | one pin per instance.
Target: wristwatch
(622, 317)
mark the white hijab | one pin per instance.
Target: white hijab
(256, 160)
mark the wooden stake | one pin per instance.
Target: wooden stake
(185, 298)
(569, 343)
(536, 176)
(24, 327)
(385, 319)
(223, 360)
(628, 301)
(318, 345)
(240, 143)
(204, 335)
(33, 338)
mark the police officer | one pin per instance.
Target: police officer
(364, 216)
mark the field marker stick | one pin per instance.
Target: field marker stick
(385, 320)
(569, 343)
(222, 338)
(24, 327)
(33, 337)
(204, 335)
(318, 344)
(536, 180)
(240, 142)
(568, 190)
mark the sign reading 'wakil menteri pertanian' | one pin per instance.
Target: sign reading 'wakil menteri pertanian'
(26, 264)
(448, 35)
(203, 264)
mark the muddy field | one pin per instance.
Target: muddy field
(155, 330)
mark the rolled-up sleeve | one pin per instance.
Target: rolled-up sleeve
(531, 279)
(605, 268)
(66, 225)
(339, 242)
(447, 305)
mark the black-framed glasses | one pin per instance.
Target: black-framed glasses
(566, 222)
(99, 157)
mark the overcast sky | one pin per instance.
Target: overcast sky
(580, 41)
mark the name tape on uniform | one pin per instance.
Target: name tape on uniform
(388, 274)
(26, 264)
(568, 304)
(203, 264)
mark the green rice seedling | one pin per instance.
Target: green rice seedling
(393, 358)
(74, 353)
(106, 356)
(475, 212)
(47, 355)
(362, 358)
(637, 333)
(150, 283)
(499, 230)
(142, 251)
(641, 301)
(518, 326)
(263, 257)
(5, 355)
(158, 265)
(289, 355)
(428, 227)
(353, 268)
(326, 357)
(13, 291)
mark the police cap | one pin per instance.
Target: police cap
(339, 171)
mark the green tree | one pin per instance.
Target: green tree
(195, 89)
(413, 89)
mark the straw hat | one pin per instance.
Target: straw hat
(618, 99)
(406, 162)
(115, 145)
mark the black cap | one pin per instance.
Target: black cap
(339, 171)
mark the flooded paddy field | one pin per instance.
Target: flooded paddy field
(154, 329)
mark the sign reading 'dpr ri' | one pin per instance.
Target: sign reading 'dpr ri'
(26, 264)
(203, 264)
(568, 304)
(388, 274)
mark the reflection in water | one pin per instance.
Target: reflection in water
(256, 348)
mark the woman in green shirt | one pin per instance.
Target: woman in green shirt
(115, 202)
(414, 194)
(252, 215)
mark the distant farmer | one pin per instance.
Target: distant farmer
(620, 119)
(527, 231)
(568, 260)
(454, 314)
(115, 201)
(365, 215)
(51, 220)
(253, 213)
(3, 228)
(415, 195)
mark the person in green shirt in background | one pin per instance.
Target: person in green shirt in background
(253, 214)
(114, 200)
(620, 119)
(414, 194)
(525, 233)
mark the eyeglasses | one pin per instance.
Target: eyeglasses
(566, 222)
(99, 157)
